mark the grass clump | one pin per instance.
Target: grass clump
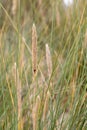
(43, 86)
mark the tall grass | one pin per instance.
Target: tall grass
(46, 89)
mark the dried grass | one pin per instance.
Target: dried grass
(19, 96)
(48, 60)
(14, 7)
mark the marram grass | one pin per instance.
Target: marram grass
(47, 87)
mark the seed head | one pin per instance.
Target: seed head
(34, 50)
(48, 60)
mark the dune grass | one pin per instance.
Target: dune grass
(43, 65)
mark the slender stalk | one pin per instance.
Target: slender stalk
(19, 97)
(46, 107)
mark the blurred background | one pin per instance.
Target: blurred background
(54, 19)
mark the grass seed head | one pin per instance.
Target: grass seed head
(48, 60)
(34, 50)
(19, 96)
(14, 7)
